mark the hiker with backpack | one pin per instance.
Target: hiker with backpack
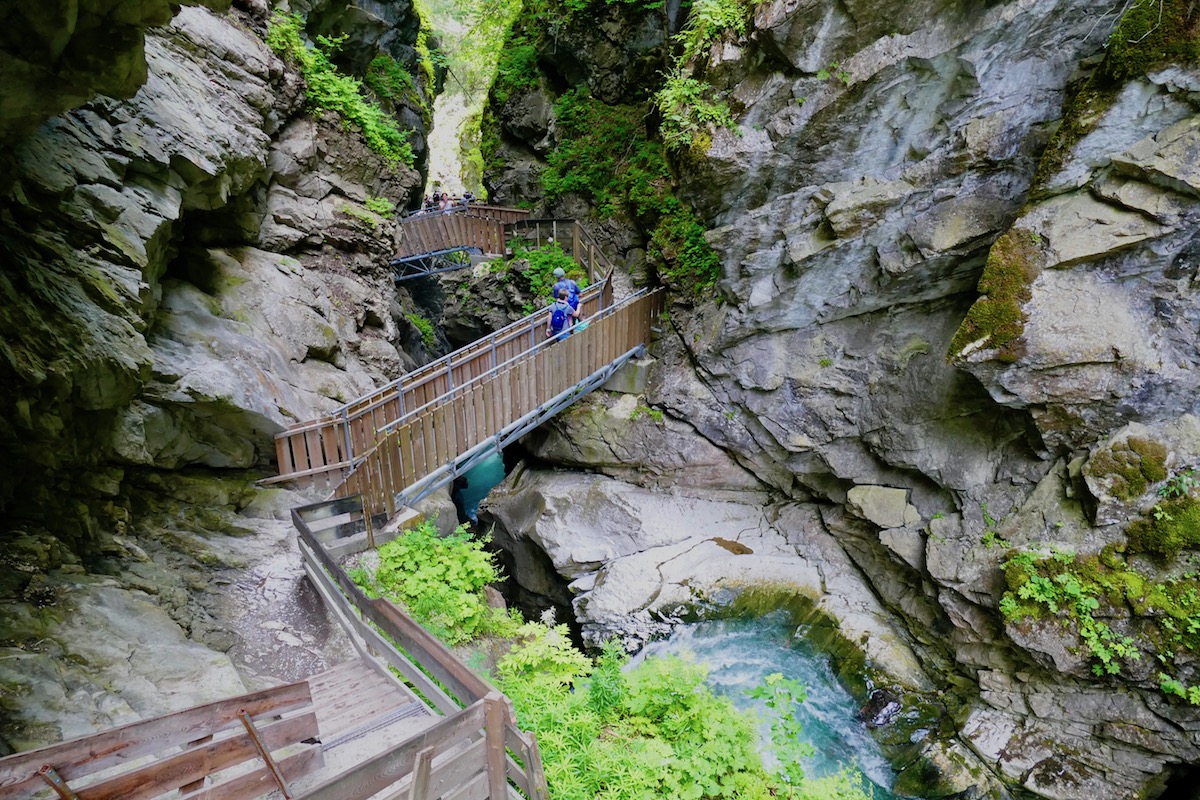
(570, 286)
(561, 317)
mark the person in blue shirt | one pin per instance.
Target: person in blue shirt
(571, 287)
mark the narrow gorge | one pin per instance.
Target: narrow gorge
(927, 379)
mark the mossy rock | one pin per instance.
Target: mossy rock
(1129, 467)
(1152, 34)
(997, 320)
(1173, 526)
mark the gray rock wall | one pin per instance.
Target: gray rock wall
(853, 210)
(185, 272)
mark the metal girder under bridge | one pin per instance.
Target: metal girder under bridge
(427, 264)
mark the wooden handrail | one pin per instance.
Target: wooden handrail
(121, 751)
(469, 416)
(485, 717)
(475, 227)
(324, 449)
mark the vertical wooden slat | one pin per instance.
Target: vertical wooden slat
(283, 454)
(494, 721)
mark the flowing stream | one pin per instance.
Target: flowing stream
(740, 653)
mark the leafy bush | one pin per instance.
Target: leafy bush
(440, 581)
(381, 206)
(545, 653)
(633, 179)
(517, 68)
(542, 263)
(330, 90)
(781, 695)
(688, 107)
(425, 327)
(708, 20)
(656, 730)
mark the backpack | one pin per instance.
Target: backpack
(572, 291)
(558, 316)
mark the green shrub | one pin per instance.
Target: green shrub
(517, 69)
(709, 20)
(635, 179)
(440, 581)
(689, 107)
(330, 90)
(540, 274)
(425, 327)
(381, 206)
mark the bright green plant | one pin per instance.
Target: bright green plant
(381, 206)
(781, 695)
(1073, 588)
(540, 274)
(368, 219)
(330, 90)
(708, 21)
(545, 652)
(689, 107)
(440, 580)
(425, 327)
(635, 179)
(833, 71)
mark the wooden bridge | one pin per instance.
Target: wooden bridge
(379, 726)
(425, 238)
(437, 731)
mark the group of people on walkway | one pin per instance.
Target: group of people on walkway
(564, 311)
(443, 201)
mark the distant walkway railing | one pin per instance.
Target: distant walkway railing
(427, 446)
(478, 227)
(320, 451)
(572, 237)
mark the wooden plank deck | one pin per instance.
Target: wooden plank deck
(360, 713)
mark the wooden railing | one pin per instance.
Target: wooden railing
(480, 227)
(451, 756)
(568, 234)
(322, 451)
(189, 746)
(432, 437)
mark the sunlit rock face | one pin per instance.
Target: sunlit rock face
(884, 153)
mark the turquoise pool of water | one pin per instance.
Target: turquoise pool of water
(481, 479)
(740, 653)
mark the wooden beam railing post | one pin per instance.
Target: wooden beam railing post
(494, 724)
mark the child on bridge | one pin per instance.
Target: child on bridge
(560, 314)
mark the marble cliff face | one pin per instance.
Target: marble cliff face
(848, 419)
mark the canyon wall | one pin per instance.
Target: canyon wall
(956, 295)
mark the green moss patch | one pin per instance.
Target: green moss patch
(1132, 465)
(1173, 526)
(634, 179)
(999, 317)
(1150, 35)
(1084, 592)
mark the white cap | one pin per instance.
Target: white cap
(558, 272)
